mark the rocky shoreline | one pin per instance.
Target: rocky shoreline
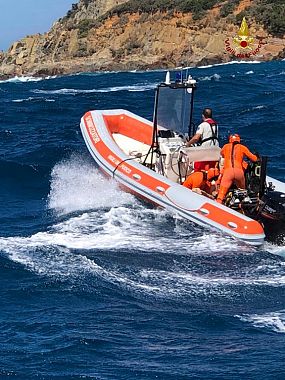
(137, 41)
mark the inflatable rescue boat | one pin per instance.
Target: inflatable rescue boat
(150, 159)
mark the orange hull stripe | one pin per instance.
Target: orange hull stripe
(124, 168)
(223, 217)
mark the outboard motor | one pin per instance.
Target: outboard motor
(260, 201)
(272, 215)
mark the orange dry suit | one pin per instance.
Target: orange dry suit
(233, 154)
(202, 180)
(197, 180)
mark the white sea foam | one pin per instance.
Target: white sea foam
(134, 88)
(77, 185)
(253, 108)
(61, 252)
(228, 63)
(52, 254)
(63, 91)
(111, 221)
(211, 77)
(276, 74)
(25, 79)
(72, 91)
(274, 321)
(249, 72)
(30, 99)
(59, 263)
(275, 249)
(22, 79)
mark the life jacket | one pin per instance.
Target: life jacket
(214, 129)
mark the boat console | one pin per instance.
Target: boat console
(169, 162)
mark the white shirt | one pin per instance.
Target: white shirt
(204, 129)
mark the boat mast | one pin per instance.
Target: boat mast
(154, 145)
(188, 85)
(191, 127)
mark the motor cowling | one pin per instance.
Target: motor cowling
(272, 216)
(273, 205)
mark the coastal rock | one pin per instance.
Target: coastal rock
(88, 39)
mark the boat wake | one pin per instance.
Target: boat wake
(77, 185)
(107, 246)
(102, 233)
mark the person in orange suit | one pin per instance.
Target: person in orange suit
(233, 170)
(202, 180)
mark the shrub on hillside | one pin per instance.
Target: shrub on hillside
(84, 26)
(228, 8)
(270, 13)
(272, 16)
(197, 7)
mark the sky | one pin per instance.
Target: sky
(19, 18)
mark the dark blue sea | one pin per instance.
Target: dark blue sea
(95, 284)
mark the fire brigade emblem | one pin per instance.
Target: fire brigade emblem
(243, 40)
(243, 45)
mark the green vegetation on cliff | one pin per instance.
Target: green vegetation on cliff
(270, 13)
(197, 7)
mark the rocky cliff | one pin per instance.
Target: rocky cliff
(115, 35)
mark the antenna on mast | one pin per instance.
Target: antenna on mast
(167, 78)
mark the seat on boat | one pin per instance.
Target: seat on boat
(133, 148)
(200, 153)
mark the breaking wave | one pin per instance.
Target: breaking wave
(25, 79)
(215, 77)
(228, 63)
(254, 108)
(72, 91)
(274, 321)
(33, 99)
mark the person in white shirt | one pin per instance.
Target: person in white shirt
(207, 131)
(206, 136)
